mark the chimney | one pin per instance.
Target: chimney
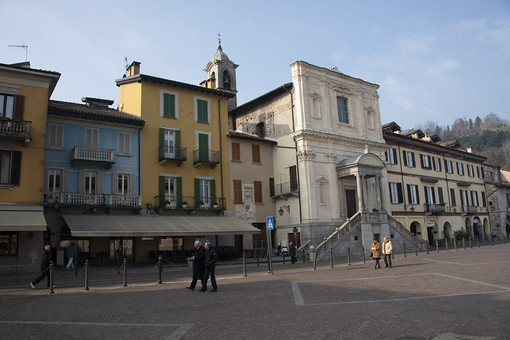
(133, 69)
(469, 150)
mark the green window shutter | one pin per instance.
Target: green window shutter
(178, 188)
(197, 193)
(161, 137)
(177, 142)
(168, 105)
(213, 191)
(203, 147)
(161, 199)
(202, 111)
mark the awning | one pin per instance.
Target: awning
(157, 225)
(22, 218)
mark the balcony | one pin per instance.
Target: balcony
(469, 210)
(189, 203)
(286, 189)
(93, 155)
(206, 157)
(13, 129)
(92, 200)
(434, 208)
(172, 154)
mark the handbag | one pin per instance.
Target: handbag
(371, 254)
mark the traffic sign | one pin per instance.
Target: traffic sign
(270, 222)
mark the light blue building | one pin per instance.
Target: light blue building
(92, 166)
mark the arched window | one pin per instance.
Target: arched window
(226, 79)
(260, 130)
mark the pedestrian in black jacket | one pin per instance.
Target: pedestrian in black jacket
(210, 265)
(198, 265)
(45, 267)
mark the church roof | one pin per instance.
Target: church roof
(219, 55)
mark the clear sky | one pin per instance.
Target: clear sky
(434, 60)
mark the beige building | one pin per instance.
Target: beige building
(435, 188)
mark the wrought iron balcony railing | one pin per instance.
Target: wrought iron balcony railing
(189, 202)
(172, 154)
(15, 129)
(206, 157)
(95, 200)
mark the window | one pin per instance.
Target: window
(430, 195)
(396, 193)
(169, 143)
(391, 156)
(238, 191)
(226, 80)
(91, 138)
(9, 244)
(436, 163)
(202, 114)
(452, 197)
(90, 182)
(293, 178)
(7, 106)
(412, 191)
(124, 143)
(55, 137)
(343, 115)
(479, 172)
(205, 192)
(236, 152)
(54, 180)
(440, 195)
(464, 201)
(271, 187)
(460, 169)
(257, 190)
(470, 170)
(474, 198)
(123, 184)
(170, 190)
(10, 167)
(425, 161)
(484, 203)
(409, 159)
(203, 142)
(255, 153)
(169, 104)
(449, 166)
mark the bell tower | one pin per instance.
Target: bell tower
(221, 74)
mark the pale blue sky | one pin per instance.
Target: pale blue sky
(434, 60)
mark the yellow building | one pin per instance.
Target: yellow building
(24, 94)
(184, 156)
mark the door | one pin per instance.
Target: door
(350, 199)
(169, 146)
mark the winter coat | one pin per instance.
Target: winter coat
(71, 252)
(387, 248)
(45, 260)
(210, 258)
(376, 250)
(199, 254)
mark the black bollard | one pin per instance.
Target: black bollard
(258, 258)
(471, 243)
(315, 261)
(304, 254)
(363, 252)
(446, 242)
(86, 274)
(244, 265)
(464, 243)
(455, 243)
(479, 242)
(51, 277)
(283, 256)
(437, 245)
(160, 269)
(415, 248)
(405, 253)
(330, 258)
(125, 272)
(348, 256)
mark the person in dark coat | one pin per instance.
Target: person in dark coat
(72, 256)
(210, 265)
(45, 267)
(292, 252)
(198, 265)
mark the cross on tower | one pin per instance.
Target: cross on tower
(219, 38)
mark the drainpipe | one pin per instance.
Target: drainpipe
(140, 163)
(295, 146)
(221, 153)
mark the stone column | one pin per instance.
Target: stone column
(359, 188)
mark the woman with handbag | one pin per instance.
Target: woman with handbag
(376, 252)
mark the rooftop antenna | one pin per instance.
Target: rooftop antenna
(26, 50)
(126, 60)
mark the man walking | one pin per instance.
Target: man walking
(45, 267)
(198, 265)
(71, 255)
(210, 265)
(387, 249)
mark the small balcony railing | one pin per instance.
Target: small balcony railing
(172, 154)
(189, 203)
(206, 157)
(469, 209)
(95, 200)
(94, 155)
(15, 129)
(286, 189)
(434, 208)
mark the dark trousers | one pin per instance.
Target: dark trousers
(387, 259)
(44, 273)
(198, 274)
(209, 271)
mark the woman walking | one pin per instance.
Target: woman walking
(376, 252)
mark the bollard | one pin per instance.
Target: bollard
(51, 277)
(304, 254)
(125, 272)
(437, 245)
(471, 243)
(455, 244)
(479, 241)
(244, 264)
(446, 242)
(86, 274)
(405, 254)
(348, 256)
(330, 258)
(283, 259)
(464, 243)
(492, 241)
(160, 269)
(314, 254)
(258, 258)
(416, 248)
(363, 252)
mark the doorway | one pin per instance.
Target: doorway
(350, 199)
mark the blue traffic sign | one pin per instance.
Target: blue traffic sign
(270, 222)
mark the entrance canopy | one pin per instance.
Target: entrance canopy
(22, 218)
(157, 225)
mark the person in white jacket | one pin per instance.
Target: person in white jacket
(387, 250)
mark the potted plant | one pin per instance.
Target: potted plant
(184, 204)
(202, 204)
(167, 204)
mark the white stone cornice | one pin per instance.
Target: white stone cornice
(349, 140)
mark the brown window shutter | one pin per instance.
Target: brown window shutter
(238, 191)
(19, 107)
(257, 188)
(16, 167)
